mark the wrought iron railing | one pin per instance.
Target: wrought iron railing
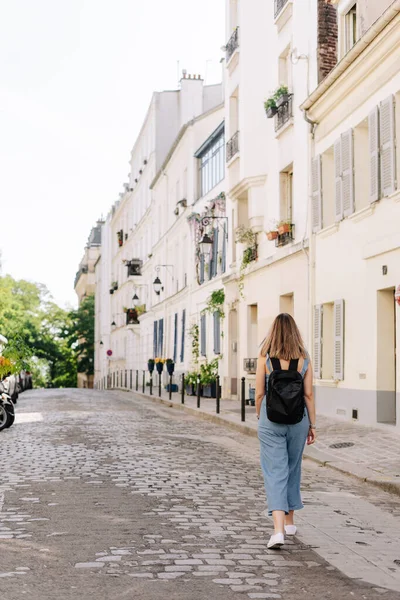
(81, 271)
(232, 44)
(284, 113)
(285, 238)
(250, 365)
(279, 5)
(132, 317)
(232, 147)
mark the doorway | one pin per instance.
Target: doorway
(386, 357)
(233, 353)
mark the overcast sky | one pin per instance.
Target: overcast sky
(76, 77)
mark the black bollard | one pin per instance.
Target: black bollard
(170, 387)
(126, 379)
(137, 380)
(218, 399)
(159, 384)
(183, 389)
(130, 380)
(151, 384)
(198, 391)
(144, 381)
(243, 398)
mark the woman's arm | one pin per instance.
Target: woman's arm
(310, 404)
(260, 383)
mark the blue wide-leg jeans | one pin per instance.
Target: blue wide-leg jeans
(281, 448)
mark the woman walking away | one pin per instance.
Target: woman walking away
(286, 412)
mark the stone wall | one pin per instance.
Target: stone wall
(327, 38)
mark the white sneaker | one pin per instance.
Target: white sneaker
(277, 540)
(290, 529)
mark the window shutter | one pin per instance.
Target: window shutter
(373, 141)
(317, 341)
(223, 262)
(339, 340)
(183, 335)
(203, 350)
(337, 148)
(201, 276)
(387, 138)
(217, 333)
(160, 337)
(215, 253)
(155, 344)
(175, 337)
(316, 193)
(347, 168)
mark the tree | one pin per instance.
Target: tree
(82, 334)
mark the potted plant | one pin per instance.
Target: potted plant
(270, 107)
(150, 365)
(208, 378)
(281, 95)
(170, 366)
(284, 226)
(159, 365)
(191, 383)
(114, 285)
(111, 290)
(272, 235)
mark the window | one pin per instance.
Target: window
(175, 337)
(350, 28)
(203, 335)
(286, 194)
(328, 342)
(183, 335)
(212, 164)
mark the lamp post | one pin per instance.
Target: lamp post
(157, 283)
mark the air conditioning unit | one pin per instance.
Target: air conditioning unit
(250, 365)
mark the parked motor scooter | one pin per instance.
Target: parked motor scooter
(7, 412)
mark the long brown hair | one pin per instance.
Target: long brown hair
(284, 339)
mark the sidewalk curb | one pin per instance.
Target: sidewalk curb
(313, 454)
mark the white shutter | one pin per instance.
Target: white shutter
(387, 135)
(337, 148)
(338, 323)
(316, 193)
(373, 141)
(317, 337)
(347, 168)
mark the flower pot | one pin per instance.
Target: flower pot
(272, 235)
(285, 228)
(150, 366)
(190, 389)
(174, 387)
(282, 100)
(271, 112)
(159, 367)
(111, 291)
(210, 390)
(170, 368)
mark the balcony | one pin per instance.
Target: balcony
(285, 238)
(132, 317)
(279, 6)
(284, 111)
(232, 44)
(250, 365)
(82, 271)
(232, 147)
(134, 267)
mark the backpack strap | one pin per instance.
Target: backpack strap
(276, 364)
(294, 364)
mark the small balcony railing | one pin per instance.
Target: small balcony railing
(284, 113)
(285, 238)
(134, 267)
(279, 6)
(250, 365)
(83, 270)
(132, 317)
(232, 44)
(232, 147)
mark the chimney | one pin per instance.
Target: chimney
(191, 97)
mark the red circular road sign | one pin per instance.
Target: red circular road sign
(109, 352)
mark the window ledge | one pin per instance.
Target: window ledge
(331, 230)
(283, 17)
(365, 212)
(395, 196)
(233, 61)
(284, 127)
(326, 383)
(232, 160)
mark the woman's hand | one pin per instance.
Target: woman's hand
(311, 437)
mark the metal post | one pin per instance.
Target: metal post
(218, 400)
(151, 384)
(130, 380)
(126, 378)
(183, 389)
(243, 398)
(170, 387)
(144, 381)
(159, 384)
(198, 391)
(137, 379)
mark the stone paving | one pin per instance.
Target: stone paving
(114, 496)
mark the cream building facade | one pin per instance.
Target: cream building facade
(355, 211)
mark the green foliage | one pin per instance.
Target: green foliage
(245, 235)
(82, 335)
(215, 302)
(209, 372)
(191, 378)
(282, 90)
(194, 334)
(270, 103)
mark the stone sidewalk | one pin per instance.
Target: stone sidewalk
(368, 453)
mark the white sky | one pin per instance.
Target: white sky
(76, 77)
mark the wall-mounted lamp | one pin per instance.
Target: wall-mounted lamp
(206, 242)
(157, 284)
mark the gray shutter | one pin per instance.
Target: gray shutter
(339, 339)
(203, 350)
(317, 337)
(373, 142)
(387, 137)
(155, 338)
(316, 193)
(183, 335)
(160, 337)
(337, 151)
(175, 337)
(215, 253)
(347, 158)
(201, 275)
(217, 333)
(223, 262)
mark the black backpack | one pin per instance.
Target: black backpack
(285, 395)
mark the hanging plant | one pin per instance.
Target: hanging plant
(215, 302)
(194, 334)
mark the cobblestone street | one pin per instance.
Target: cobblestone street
(105, 495)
